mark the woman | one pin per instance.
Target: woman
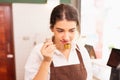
(60, 58)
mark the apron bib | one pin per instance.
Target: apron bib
(69, 72)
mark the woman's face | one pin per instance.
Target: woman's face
(64, 32)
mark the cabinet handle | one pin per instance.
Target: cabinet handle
(8, 48)
(10, 56)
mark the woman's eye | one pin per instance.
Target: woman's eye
(60, 30)
(73, 30)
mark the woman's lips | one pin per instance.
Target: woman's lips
(65, 42)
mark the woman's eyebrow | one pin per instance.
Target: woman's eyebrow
(59, 29)
(69, 29)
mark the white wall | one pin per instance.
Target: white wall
(92, 19)
(31, 25)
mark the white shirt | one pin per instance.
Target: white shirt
(35, 59)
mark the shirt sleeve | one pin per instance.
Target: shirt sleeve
(87, 62)
(33, 62)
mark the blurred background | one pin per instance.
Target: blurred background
(25, 23)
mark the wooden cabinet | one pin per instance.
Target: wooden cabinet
(7, 63)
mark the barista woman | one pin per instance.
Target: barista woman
(60, 58)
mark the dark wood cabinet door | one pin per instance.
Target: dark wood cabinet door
(7, 63)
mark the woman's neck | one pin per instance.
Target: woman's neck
(64, 51)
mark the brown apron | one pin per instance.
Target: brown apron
(69, 72)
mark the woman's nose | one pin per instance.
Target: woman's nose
(66, 36)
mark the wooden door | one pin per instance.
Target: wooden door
(7, 64)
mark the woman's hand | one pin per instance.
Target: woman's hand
(47, 50)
